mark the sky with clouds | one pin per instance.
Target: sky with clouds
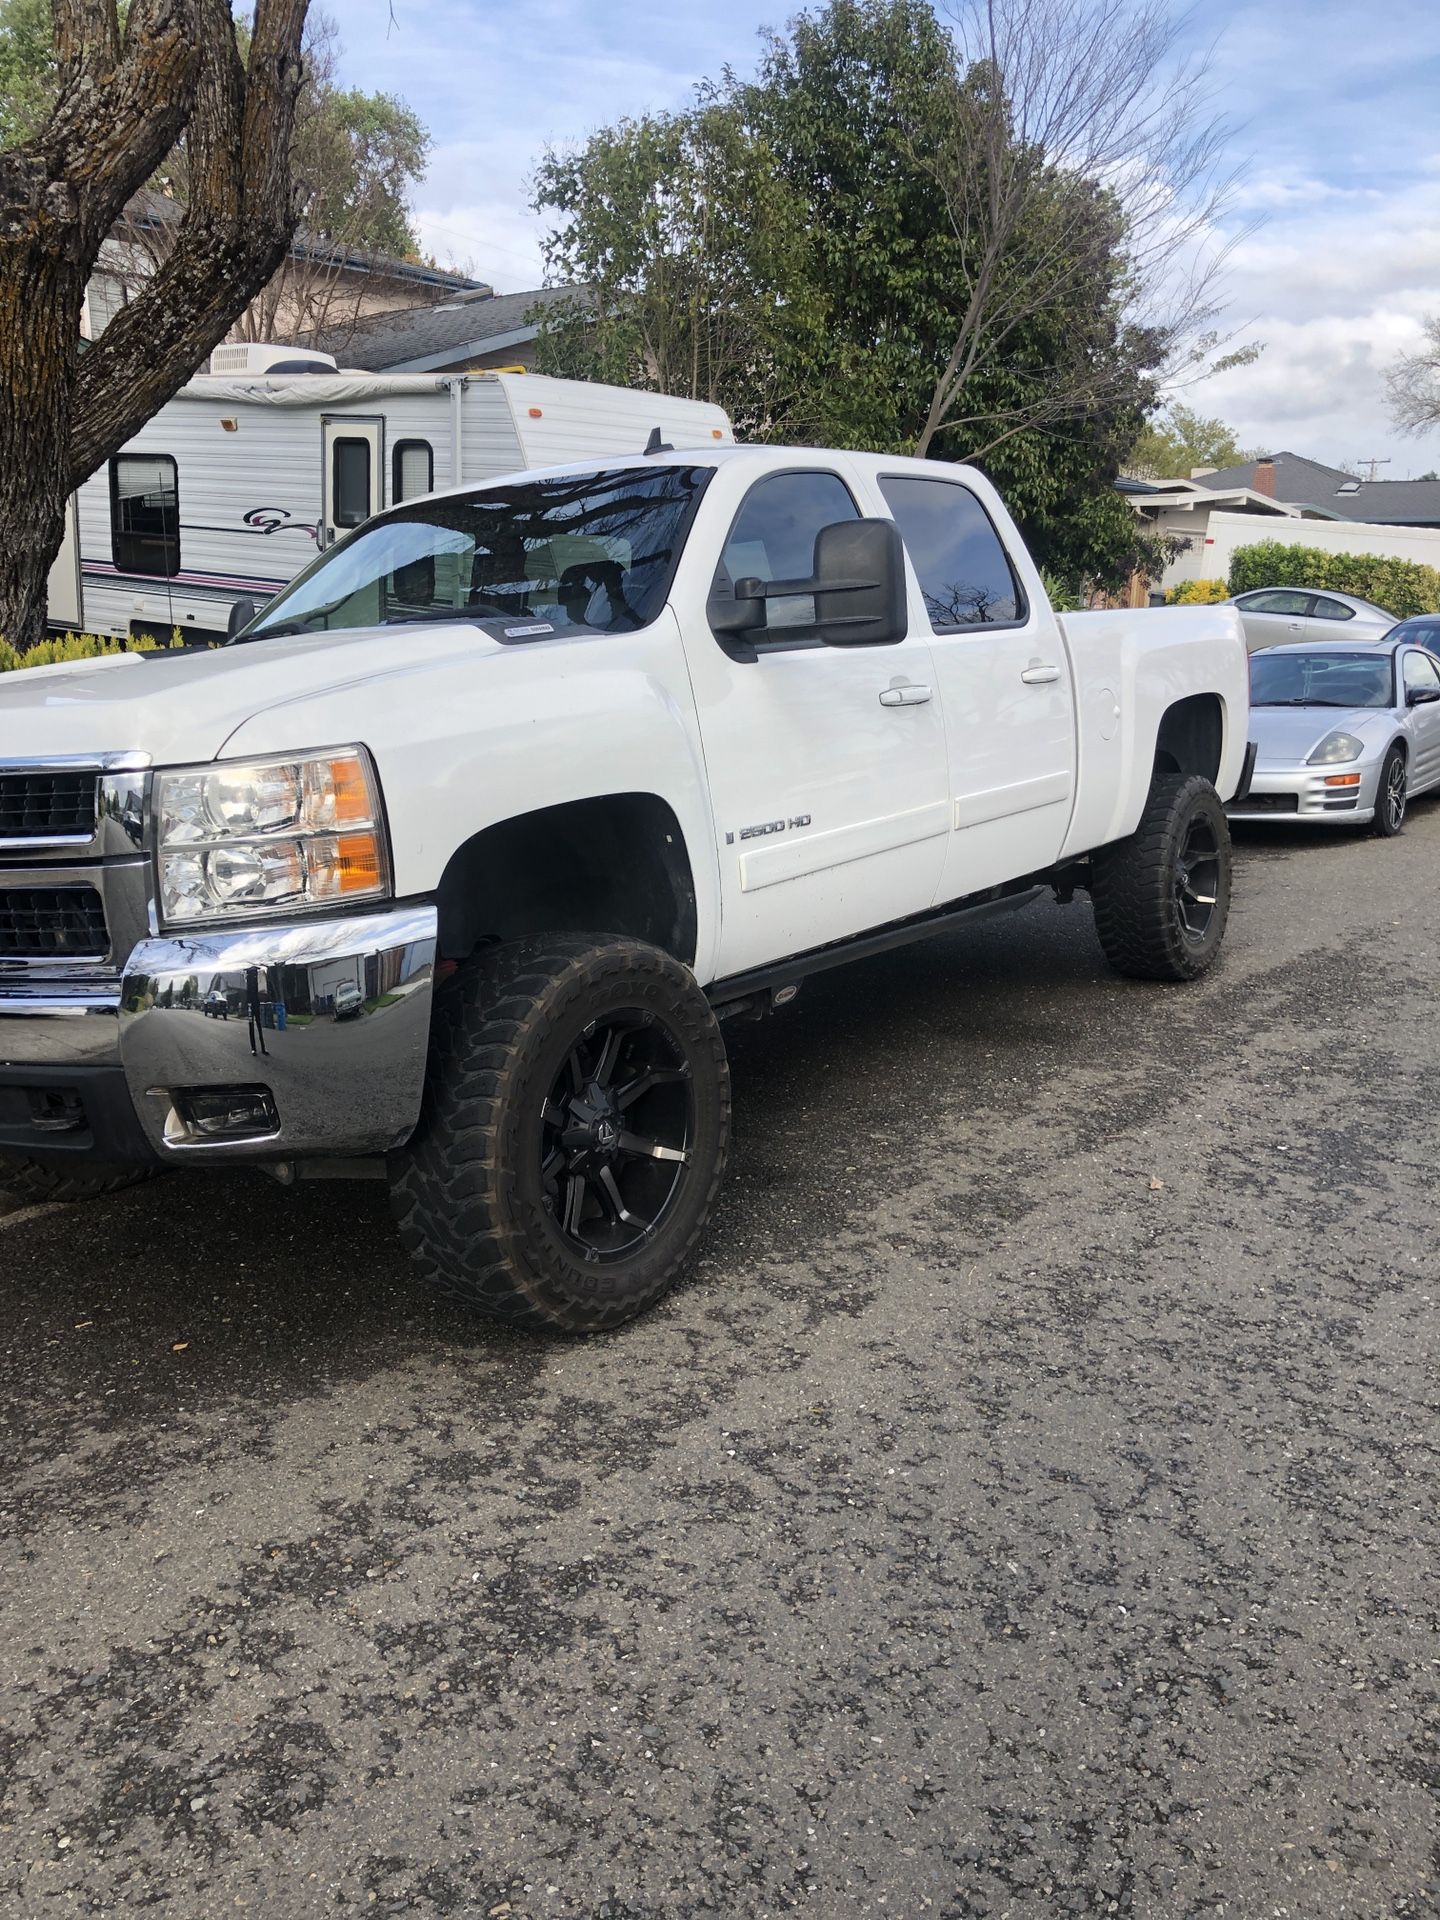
(1336, 112)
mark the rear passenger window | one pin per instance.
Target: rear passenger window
(958, 557)
(1324, 609)
(773, 538)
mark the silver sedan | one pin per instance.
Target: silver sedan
(1345, 735)
(1284, 616)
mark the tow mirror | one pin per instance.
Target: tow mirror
(858, 590)
(242, 612)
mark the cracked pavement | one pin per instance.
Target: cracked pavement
(1029, 1508)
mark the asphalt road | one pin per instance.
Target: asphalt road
(1029, 1510)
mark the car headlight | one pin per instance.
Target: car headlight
(1334, 748)
(250, 837)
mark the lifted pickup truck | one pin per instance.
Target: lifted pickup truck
(540, 781)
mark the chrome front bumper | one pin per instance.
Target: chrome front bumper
(143, 1041)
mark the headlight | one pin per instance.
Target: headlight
(1334, 748)
(249, 837)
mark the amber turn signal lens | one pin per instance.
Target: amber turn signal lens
(358, 867)
(1342, 779)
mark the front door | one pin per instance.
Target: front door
(1004, 677)
(1274, 617)
(1419, 672)
(353, 468)
(826, 764)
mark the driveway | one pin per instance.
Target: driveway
(1028, 1510)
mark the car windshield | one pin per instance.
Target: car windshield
(1328, 679)
(589, 552)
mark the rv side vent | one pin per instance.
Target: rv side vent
(272, 356)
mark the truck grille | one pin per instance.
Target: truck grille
(47, 805)
(51, 923)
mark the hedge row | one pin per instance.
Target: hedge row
(1401, 587)
(1197, 593)
(78, 646)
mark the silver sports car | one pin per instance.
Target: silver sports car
(1283, 616)
(1345, 735)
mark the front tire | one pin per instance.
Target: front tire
(573, 1133)
(1162, 896)
(1392, 795)
(35, 1183)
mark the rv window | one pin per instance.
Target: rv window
(412, 470)
(145, 514)
(350, 482)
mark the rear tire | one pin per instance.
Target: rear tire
(1162, 896)
(1392, 795)
(573, 1132)
(35, 1183)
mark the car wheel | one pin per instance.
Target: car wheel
(1162, 896)
(31, 1181)
(1391, 795)
(573, 1132)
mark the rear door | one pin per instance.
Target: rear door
(352, 470)
(1005, 685)
(1329, 619)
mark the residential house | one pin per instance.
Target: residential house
(321, 284)
(471, 329)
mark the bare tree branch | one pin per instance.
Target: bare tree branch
(1413, 384)
(1075, 135)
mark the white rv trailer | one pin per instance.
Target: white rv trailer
(233, 486)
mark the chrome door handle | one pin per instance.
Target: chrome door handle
(1040, 676)
(904, 696)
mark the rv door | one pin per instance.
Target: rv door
(353, 463)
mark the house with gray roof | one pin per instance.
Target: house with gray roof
(1296, 481)
(466, 330)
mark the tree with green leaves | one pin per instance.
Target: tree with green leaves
(823, 255)
(1174, 442)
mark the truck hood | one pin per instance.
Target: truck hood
(180, 707)
(1287, 736)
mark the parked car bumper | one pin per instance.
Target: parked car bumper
(131, 1068)
(1301, 794)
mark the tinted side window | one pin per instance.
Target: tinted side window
(773, 538)
(963, 569)
(1324, 609)
(1280, 600)
(145, 513)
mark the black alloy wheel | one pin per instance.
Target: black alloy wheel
(1197, 879)
(616, 1131)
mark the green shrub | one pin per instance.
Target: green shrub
(1197, 593)
(79, 646)
(1401, 587)
(1062, 598)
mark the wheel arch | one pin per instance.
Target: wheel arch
(1191, 737)
(613, 863)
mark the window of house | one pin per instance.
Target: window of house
(958, 557)
(145, 514)
(773, 538)
(412, 470)
(350, 482)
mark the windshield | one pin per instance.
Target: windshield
(588, 552)
(1328, 679)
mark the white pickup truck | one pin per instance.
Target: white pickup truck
(535, 783)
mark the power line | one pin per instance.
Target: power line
(1372, 464)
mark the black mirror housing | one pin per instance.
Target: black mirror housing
(242, 612)
(1421, 696)
(859, 584)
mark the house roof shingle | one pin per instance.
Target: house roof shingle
(1297, 479)
(1302, 482)
(436, 335)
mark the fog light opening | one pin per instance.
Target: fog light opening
(224, 1113)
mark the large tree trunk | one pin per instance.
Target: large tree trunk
(123, 102)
